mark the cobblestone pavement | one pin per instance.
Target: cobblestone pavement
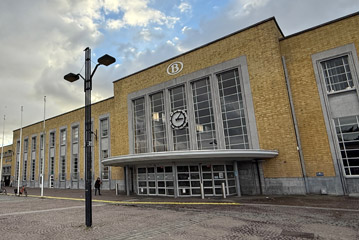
(39, 218)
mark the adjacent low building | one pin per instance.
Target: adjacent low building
(254, 112)
(7, 156)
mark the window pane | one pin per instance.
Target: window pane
(204, 116)
(104, 127)
(158, 123)
(232, 107)
(348, 138)
(178, 102)
(337, 74)
(139, 125)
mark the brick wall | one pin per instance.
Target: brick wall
(297, 51)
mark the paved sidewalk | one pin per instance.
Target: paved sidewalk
(61, 215)
(320, 201)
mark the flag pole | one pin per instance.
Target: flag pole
(19, 171)
(43, 149)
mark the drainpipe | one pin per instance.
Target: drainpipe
(299, 145)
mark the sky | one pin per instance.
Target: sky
(43, 40)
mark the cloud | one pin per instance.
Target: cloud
(246, 7)
(185, 7)
(149, 34)
(44, 40)
(136, 13)
(146, 58)
(292, 16)
(185, 28)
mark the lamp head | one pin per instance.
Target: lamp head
(71, 77)
(106, 60)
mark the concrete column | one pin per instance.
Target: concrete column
(236, 175)
(174, 170)
(127, 181)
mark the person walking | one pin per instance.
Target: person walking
(98, 186)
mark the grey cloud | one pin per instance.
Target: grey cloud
(38, 47)
(147, 59)
(292, 16)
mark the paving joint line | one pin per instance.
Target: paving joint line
(135, 203)
(131, 202)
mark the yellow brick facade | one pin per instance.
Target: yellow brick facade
(66, 121)
(297, 51)
(260, 45)
(7, 155)
(263, 46)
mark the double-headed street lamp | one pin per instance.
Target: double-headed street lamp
(71, 77)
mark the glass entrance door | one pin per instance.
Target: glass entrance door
(189, 178)
(160, 180)
(155, 180)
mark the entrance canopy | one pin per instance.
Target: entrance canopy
(195, 155)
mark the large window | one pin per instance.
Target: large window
(63, 134)
(204, 116)
(232, 106)
(52, 154)
(209, 109)
(63, 137)
(158, 123)
(337, 74)
(104, 147)
(75, 134)
(52, 139)
(104, 127)
(17, 160)
(75, 152)
(63, 168)
(33, 158)
(42, 147)
(178, 102)
(347, 129)
(26, 145)
(139, 125)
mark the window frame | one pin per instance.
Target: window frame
(351, 67)
(102, 138)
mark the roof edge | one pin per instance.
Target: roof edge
(64, 113)
(209, 155)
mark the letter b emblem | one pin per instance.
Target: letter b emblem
(174, 68)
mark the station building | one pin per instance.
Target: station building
(255, 112)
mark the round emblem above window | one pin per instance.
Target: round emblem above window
(174, 68)
(178, 119)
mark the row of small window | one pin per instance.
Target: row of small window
(63, 134)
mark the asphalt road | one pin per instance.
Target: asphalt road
(59, 218)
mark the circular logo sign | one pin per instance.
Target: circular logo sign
(174, 68)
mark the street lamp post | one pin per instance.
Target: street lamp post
(71, 77)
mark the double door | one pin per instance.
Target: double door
(189, 178)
